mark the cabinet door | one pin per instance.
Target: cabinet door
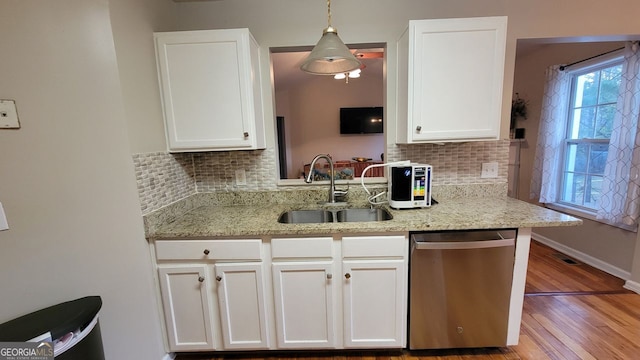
(304, 304)
(375, 306)
(186, 306)
(207, 84)
(242, 305)
(455, 79)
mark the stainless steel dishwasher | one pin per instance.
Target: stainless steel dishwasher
(460, 288)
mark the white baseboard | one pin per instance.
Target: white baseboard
(585, 258)
(169, 356)
(633, 286)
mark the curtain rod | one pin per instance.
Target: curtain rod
(587, 59)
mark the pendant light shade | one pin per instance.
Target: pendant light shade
(330, 56)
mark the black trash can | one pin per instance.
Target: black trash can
(73, 325)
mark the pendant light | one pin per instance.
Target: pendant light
(330, 56)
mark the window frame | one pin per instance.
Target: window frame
(601, 63)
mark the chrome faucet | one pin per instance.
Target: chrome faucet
(332, 185)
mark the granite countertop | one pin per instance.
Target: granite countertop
(206, 219)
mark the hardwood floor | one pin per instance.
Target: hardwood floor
(571, 311)
(549, 274)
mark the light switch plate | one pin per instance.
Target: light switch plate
(3, 219)
(8, 115)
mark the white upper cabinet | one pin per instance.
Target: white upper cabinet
(450, 80)
(210, 87)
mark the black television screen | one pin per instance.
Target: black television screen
(361, 120)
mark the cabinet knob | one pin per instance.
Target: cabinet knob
(347, 275)
(201, 278)
(246, 134)
(329, 276)
(418, 128)
(219, 278)
(206, 251)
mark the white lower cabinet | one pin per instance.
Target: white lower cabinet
(242, 305)
(304, 305)
(369, 280)
(375, 291)
(304, 292)
(187, 312)
(213, 294)
(374, 308)
(324, 293)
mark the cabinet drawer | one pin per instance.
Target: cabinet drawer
(249, 249)
(320, 247)
(374, 246)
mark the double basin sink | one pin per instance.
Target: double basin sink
(316, 216)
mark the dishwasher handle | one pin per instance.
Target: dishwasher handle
(460, 245)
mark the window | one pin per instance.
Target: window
(594, 94)
(588, 153)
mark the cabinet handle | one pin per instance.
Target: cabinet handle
(201, 278)
(219, 278)
(418, 128)
(347, 275)
(329, 276)
(206, 251)
(246, 134)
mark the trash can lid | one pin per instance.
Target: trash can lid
(58, 319)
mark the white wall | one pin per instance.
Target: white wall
(66, 177)
(134, 23)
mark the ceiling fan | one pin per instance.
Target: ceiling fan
(360, 54)
(369, 53)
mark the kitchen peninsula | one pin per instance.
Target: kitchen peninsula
(231, 277)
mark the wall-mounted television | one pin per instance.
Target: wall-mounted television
(361, 120)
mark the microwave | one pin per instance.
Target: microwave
(410, 186)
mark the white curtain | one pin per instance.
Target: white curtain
(546, 166)
(620, 199)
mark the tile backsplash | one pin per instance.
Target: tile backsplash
(456, 163)
(216, 170)
(164, 178)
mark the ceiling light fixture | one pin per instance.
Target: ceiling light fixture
(330, 56)
(348, 75)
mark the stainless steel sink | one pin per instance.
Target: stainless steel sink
(327, 216)
(306, 217)
(365, 214)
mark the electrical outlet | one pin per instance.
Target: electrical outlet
(8, 115)
(489, 170)
(241, 177)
